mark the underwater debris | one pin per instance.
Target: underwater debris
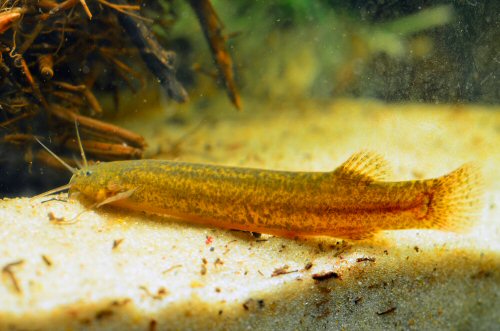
(56, 60)
(212, 28)
(47, 260)
(388, 311)
(9, 273)
(325, 275)
(117, 242)
(159, 61)
(59, 60)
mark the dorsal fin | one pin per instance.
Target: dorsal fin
(365, 166)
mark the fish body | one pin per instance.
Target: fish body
(350, 202)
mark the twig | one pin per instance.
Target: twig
(158, 60)
(212, 29)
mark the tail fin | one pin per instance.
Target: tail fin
(457, 200)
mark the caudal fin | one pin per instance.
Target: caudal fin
(457, 200)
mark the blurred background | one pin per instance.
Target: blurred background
(141, 90)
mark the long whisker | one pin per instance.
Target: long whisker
(70, 168)
(84, 158)
(55, 190)
(78, 163)
(75, 219)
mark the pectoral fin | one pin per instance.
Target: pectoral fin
(116, 197)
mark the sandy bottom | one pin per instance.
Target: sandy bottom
(118, 270)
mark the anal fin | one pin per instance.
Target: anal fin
(359, 235)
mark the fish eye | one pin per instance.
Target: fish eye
(88, 173)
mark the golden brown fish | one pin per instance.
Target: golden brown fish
(350, 202)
